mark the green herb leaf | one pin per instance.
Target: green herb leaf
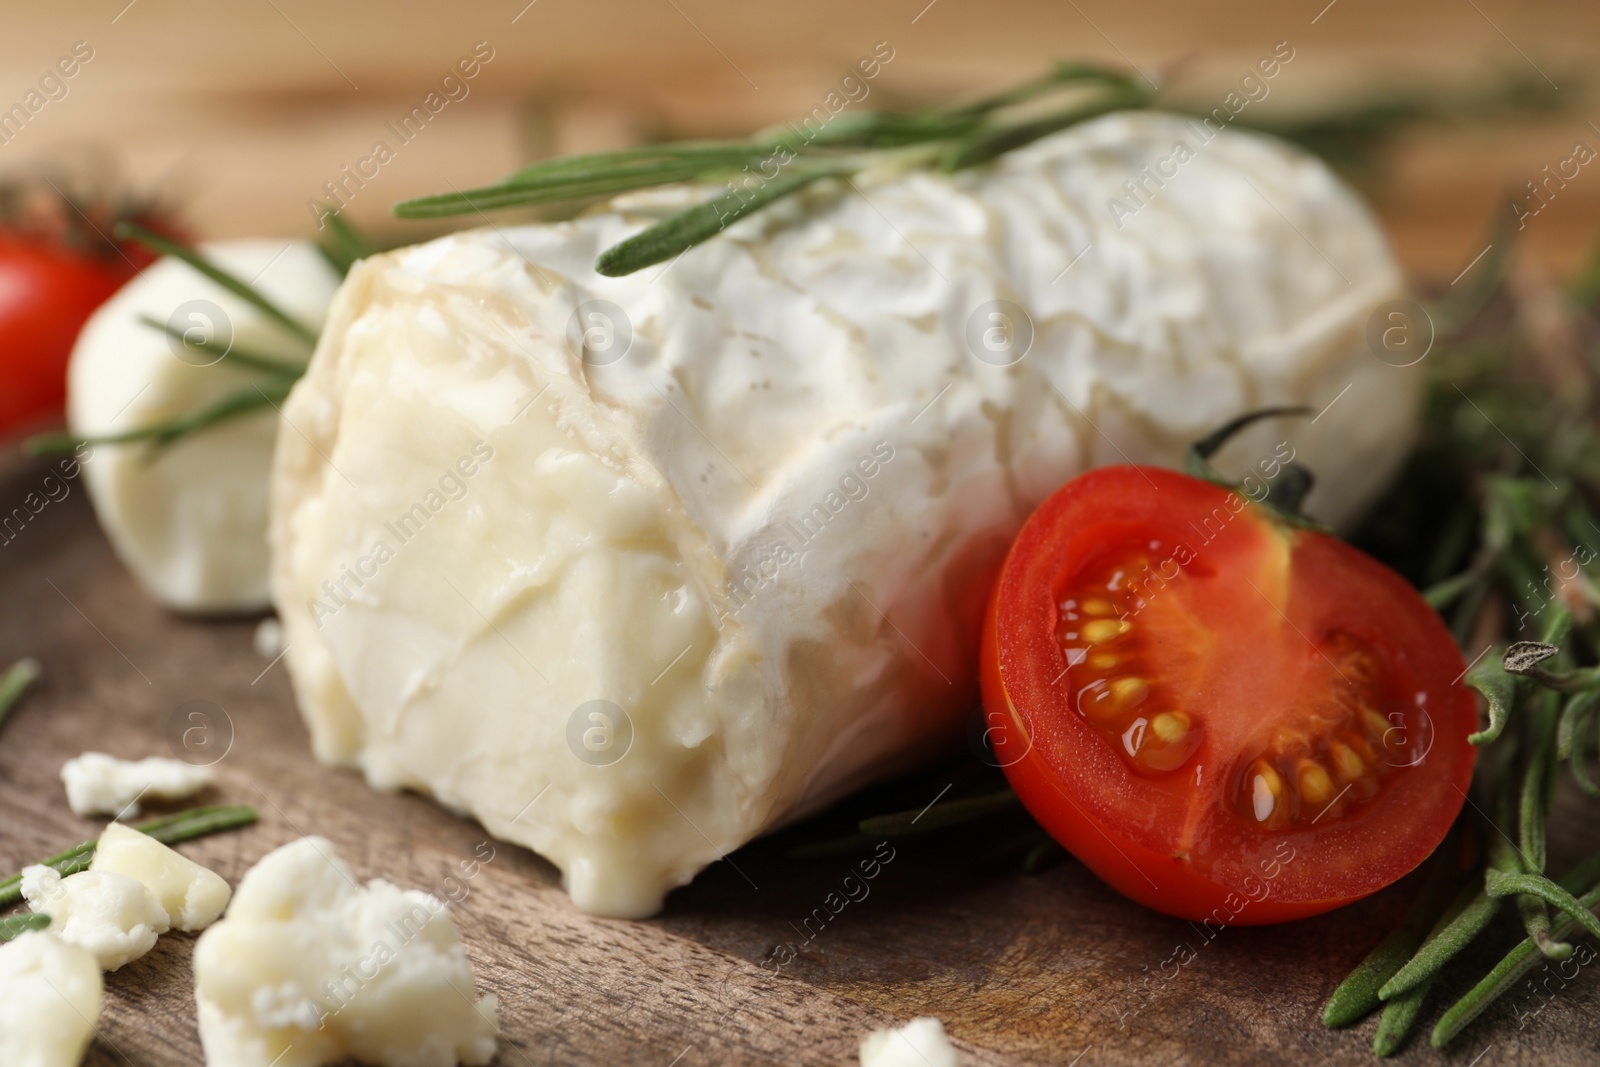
(1488, 676)
(1532, 808)
(240, 402)
(1441, 594)
(244, 290)
(168, 829)
(244, 357)
(1357, 996)
(954, 139)
(1511, 969)
(15, 682)
(1505, 883)
(1399, 1016)
(12, 925)
(1471, 912)
(344, 245)
(990, 145)
(679, 233)
(938, 816)
(588, 177)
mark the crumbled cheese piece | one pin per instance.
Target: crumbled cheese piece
(191, 895)
(269, 638)
(49, 1000)
(111, 915)
(919, 1043)
(308, 968)
(98, 784)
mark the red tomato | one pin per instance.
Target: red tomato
(47, 291)
(1224, 716)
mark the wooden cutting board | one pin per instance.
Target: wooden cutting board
(1047, 968)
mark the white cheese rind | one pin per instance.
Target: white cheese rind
(49, 1001)
(919, 1043)
(191, 523)
(763, 537)
(111, 915)
(98, 784)
(190, 895)
(308, 968)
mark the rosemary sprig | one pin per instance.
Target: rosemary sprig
(15, 682)
(168, 829)
(237, 286)
(1518, 962)
(1494, 519)
(950, 140)
(241, 401)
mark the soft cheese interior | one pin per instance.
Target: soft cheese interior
(632, 604)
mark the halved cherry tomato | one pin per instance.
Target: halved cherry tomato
(1225, 716)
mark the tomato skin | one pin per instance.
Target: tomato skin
(47, 292)
(1082, 792)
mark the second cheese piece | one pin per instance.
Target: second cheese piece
(191, 896)
(111, 915)
(98, 784)
(50, 995)
(309, 968)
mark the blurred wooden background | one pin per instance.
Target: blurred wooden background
(241, 109)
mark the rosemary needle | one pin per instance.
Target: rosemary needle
(1399, 1016)
(168, 829)
(242, 401)
(244, 357)
(1471, 911)
(1357, 996)
(1401, 1010)
(1508, 883)
(15, 682)
(1488, 676)
(680, 232)
(242, 289)
(938, 816)
(1506, 974)
(12, 925)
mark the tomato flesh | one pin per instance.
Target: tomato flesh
(1226, 717)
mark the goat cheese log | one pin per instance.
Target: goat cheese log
(633, 569)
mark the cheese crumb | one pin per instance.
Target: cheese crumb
(308, 968)
(919, 1043)
(49, 1000)
(98, 784)
(111, 915)
(269, 638)
(191, 896)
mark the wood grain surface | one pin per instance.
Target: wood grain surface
(241, 111)
(1052, 968)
